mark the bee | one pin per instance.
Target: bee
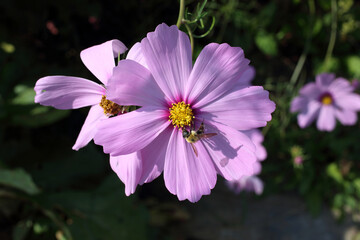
(193, 136)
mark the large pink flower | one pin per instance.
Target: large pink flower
(64, 92)
(175, 96)
(325, 100)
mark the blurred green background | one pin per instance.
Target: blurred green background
(48, 191)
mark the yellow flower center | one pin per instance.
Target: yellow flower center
(326, 100)
(181, 114)
(110, 108)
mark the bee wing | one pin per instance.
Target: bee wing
(194, 148)
(208, 135)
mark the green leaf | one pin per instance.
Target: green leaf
(333, 171)
(18, 179)
(266, 43)
(21, 230)
(24, 95)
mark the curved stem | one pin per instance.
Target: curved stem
(181, 13)
(191, 37)
(333, 32)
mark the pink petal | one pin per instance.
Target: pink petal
(254, 183)
(346, 117)
(326, 120)
(306, 117)
(244, 109)
(339, 87)
(257, 168)
(187, 176)
(311, 91)
(136, 54)
(232, 151)
(299, 104)
(153, 156)
(168, 55)
(324, 80)
(129, 169)
(88, 130)
(133, 84)
(350, 101)
(257, 138)
(132, 131)
(246, 77)
(100, 59)
(216, 70)
(67, 92)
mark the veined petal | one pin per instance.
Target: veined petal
(244, 109)
(306, 117)
(346, 117)
(100, 59)
(326, 120)
(89, 128)
(257, 138)
(187, 176)
(217, 69)
(136, 54)
(153, 156)
(245, 78)
(129, 169)
(232, 151)
(133, 84)
(340, 87)
(64, 92)
(132, 131)
(168, 55)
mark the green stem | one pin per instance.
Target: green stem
(333, 32)
(181, 13)
(191, 37)
(302, 59)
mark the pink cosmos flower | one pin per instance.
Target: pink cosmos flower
(252, 183)
(325, 100)
(175, 98)
(63, 92)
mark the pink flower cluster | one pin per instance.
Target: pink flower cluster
(190, 123)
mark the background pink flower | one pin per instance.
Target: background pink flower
(326, 100)
(211, 92)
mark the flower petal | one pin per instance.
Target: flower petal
(310, 91)
(257, 138)
(135, 54)
(132, 84)
(299, 104)
(100, 59)
(132, 131)
(244, 109)
(326, 120)
(305, 118)
(324, 80)
(346, 117)
(89, 128)
(168, 55)
(349, 101)
(232, 151)
(339, 87)
(129, 169)
(217, 69)
(153, 156)
(187, 176)
(64, 92)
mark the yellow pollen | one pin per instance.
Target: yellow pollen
(326, 100)
(110, 108)
(181, 114)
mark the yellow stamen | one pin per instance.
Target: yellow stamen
(110, 108)
(326, 100)
(181, 114)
